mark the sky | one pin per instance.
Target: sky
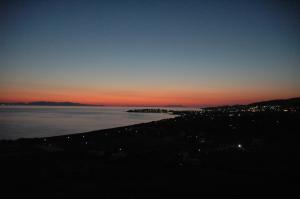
(156, 52)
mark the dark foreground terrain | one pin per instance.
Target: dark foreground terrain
(212, 153)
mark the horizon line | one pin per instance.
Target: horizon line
(145, 105)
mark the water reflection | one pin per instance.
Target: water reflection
(38, 121)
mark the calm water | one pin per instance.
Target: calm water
(39, 121)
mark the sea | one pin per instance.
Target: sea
(45, 121)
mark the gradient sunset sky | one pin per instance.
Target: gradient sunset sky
(154, 52)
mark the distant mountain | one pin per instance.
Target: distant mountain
(283, 103)
(278, 102)
(45, 103)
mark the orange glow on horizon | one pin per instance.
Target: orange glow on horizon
(143, 98)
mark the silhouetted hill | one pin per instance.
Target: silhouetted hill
(279, 102)
(45, 103)
(292, 102)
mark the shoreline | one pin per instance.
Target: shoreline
(244, 152)
(108, 131)
(113, 129)
(108, 118)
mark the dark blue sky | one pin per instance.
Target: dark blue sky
(243, 49)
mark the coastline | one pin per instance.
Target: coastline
(232, 153)
(40, 121)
